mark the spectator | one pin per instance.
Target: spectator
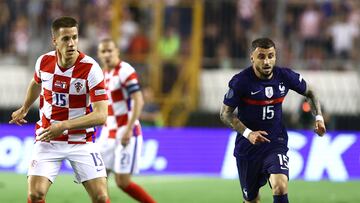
(223, 56)
(246, 11)
(4, 25)
(169, 47)
(128, 29)
(139, 46)
(343, 34)
(310, 26)
(211, 40)
(20, 37)
(239, 42)
(151, 115)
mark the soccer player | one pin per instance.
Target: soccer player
(261, 143)
(67, 81)
(121, 136)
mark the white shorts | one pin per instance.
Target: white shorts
(85, 160)
(119, 159)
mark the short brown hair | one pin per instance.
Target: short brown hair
(107, 40)
(61, 22)
(265, 43)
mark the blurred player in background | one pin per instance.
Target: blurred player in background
(261, 144)
(65, 80)
(121, 136)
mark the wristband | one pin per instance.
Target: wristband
(319, 118)
(246, 133)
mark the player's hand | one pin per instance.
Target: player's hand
(54, 131)
(320, 128)
(18, 116)
(257, 137)
(126, 137)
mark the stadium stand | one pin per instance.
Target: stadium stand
(304, 31)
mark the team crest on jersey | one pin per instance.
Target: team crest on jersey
(78, 86)
(282, 88)
(269, 92)
(229, 94)
(33, 163)
(60, 84)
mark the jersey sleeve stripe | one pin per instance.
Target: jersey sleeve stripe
(131, 77)
(37, 79)
(98, 93)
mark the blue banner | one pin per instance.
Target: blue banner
(205, 151)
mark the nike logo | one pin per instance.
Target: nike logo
(98, 170)
(252, 93)
(283, 168)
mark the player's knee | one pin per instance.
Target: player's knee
(36, 196)
(101, 198)
(280, 188)
(122, 181)
(122, 184)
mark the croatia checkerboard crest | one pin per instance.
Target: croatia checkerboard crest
(78, 86)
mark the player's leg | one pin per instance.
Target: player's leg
(97, 190)
(107, 148)
(126, 164)
(123, 181)
(38, 187)
(45, 165)
(279, 184)
(256, 200)
(251, 179)
(90, 170)
(277, 166)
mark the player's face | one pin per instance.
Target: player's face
(108, 54)
(263, 61)
(65, 41)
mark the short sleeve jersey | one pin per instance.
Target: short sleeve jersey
(120, 83)
(259, 105)
(67, 94)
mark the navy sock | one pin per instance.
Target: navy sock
(281, 198)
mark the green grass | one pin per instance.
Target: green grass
(182, 189)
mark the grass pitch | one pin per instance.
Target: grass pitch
(182, 189)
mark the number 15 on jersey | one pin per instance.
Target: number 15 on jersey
(268, 112)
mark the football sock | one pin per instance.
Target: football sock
(39, 201)
(281, 198)
(136, 192)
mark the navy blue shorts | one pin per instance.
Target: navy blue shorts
(254, 174)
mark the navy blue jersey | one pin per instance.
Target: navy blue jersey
(259, 104)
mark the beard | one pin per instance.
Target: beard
(265, 72)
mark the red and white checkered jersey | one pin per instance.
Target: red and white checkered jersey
(120, 83)
(67, 93)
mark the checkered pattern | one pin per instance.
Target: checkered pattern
(66, 94)
(120, 83)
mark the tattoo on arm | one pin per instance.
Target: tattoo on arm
(314, 101)
(228, 117)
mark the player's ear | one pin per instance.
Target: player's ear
(54, 41)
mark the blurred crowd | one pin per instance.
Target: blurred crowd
(323, 32)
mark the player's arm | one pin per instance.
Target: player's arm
(316, 108)
(32, 94)
(96, 117)
(228, 117)
(137, 97)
